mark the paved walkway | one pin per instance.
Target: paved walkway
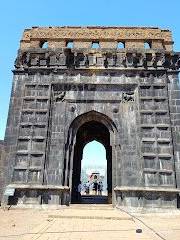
(87, 222)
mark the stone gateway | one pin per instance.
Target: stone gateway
(116, 85)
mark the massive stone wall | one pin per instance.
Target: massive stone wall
(132, 91)
(2, 163)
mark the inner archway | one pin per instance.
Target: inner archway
(89, 131)
(94, 172)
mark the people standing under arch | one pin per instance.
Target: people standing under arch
(95, 185)
(87, 187)
(100, 188)
(79, 189)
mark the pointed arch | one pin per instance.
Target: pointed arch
(86, 127)
(87, 117)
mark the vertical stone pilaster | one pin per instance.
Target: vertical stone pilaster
(174, 107)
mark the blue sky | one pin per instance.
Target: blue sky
(94, 154)
(20, 14)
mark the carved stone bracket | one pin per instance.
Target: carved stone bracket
(127, 97)
(76, 59)
(59, 96)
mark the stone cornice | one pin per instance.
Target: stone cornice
(93, 59)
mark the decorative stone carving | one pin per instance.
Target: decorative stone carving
(128, 97)
(126, 59)
(115, 110)
(72, 108)
(59, 96)
(96, 33)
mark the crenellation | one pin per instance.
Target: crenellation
(161, 38)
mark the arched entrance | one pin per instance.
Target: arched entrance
(94, 169)
(88, 132)
(84, 129)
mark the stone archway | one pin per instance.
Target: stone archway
(84, 129)
(86, 133)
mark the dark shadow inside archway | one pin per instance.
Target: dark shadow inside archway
(89, 131)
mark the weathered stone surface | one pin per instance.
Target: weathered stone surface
(107, 36)
(127, 99)
(2, 164)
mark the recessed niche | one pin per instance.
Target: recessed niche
(41, 116)
(148, 147)
(147, 104)
(36, 160)
(95, 45)
(150, 178)
(34, 176)
(30, 90)
(166, 178)
(120, 45)
(145, 90)
(164, 148)
(38, 145)
(70, 44)
(21, 160)
(149, 162)
(147, 118)
(19, 175)
(41, 103)
(165, 163)
(42, 90)
(23, 144)
(162, 118)
(39, 131)
(29, 104)
(44, 44)
(147, 132)
(25, 130)
(27, 117)
(147, 45)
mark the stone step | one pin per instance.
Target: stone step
(94, 199)
(91, 217)
(105, 207)
(88, 211)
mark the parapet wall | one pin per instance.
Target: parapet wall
(106, 37)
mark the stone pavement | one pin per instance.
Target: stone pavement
(87, 222)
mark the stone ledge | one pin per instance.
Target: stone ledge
(146, 189)
(38, 187)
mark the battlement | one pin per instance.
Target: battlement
(104, 37)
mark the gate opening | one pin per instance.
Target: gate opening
(90, 132)
(94, 173)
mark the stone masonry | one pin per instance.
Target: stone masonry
(2, 173)
(117, 85)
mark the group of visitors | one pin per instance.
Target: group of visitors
(96, 187)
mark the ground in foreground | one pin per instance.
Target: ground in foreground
(87, 222)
